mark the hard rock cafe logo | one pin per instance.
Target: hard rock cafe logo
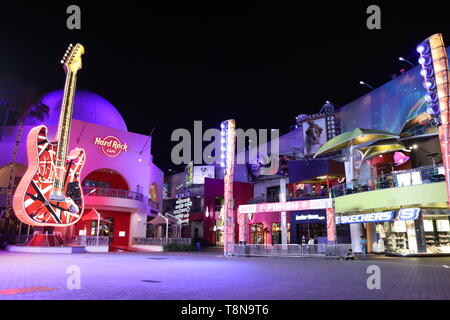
(111, 146)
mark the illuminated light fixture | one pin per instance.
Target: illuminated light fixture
(420, 49)
(400, 158)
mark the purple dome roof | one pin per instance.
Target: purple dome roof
(88, 106)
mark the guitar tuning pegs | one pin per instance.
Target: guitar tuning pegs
(62, 61)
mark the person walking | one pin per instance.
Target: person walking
(311, 246)
(363, 243)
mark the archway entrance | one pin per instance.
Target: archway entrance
(115, 224)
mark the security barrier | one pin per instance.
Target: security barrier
(292, 250)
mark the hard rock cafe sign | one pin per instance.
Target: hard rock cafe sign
(111, 146)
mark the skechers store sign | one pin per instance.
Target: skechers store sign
(368, 217)
(403, 215)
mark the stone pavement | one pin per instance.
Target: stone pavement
(207, 275)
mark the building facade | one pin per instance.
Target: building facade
(122, 183)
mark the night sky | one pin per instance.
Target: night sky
(262, 64)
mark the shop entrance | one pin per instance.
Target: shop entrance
(310, 230)
(115, 225)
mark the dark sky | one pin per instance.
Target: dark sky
(261, 64)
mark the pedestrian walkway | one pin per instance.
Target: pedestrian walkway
(207, 275)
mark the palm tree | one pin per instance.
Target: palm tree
(20, 101)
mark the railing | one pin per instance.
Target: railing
(89, 241)
(423, 175)
(159, 241)
(266, 199)
(114, 193)
(292, 250)
(23, 239)
(73, 241)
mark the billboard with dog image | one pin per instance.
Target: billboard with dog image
(314, 135)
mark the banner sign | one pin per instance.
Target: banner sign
(285, 206)
(202, 172)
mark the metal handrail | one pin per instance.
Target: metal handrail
(395, 179)
(114, 193)
(160, 241)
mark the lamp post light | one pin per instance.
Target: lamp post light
(406, 60)
(367, 85)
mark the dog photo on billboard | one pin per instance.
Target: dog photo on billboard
(314, 135)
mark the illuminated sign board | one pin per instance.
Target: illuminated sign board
(309, 217)
(111, 146)
(285, 206)
(182, 209)
(408, 214)
(368, 217)
(202, 172)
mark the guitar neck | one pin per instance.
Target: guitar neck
(65, 119)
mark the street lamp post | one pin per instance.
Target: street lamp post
(406, 60)
(367, 85)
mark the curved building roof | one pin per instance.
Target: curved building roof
(88, 106)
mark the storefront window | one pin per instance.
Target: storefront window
(257, 233)
(430, 234)
(437, 233)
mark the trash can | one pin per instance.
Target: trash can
(198, 246)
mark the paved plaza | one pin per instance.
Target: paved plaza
(209, 275)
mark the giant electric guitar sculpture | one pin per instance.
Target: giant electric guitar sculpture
(50, 194)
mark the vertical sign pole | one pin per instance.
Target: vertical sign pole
(229, 127)
(284, 241)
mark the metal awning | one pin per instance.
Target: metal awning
(159, 219)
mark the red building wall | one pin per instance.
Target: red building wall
(215, 188)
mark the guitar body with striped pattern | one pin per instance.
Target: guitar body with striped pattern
(33, 202)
